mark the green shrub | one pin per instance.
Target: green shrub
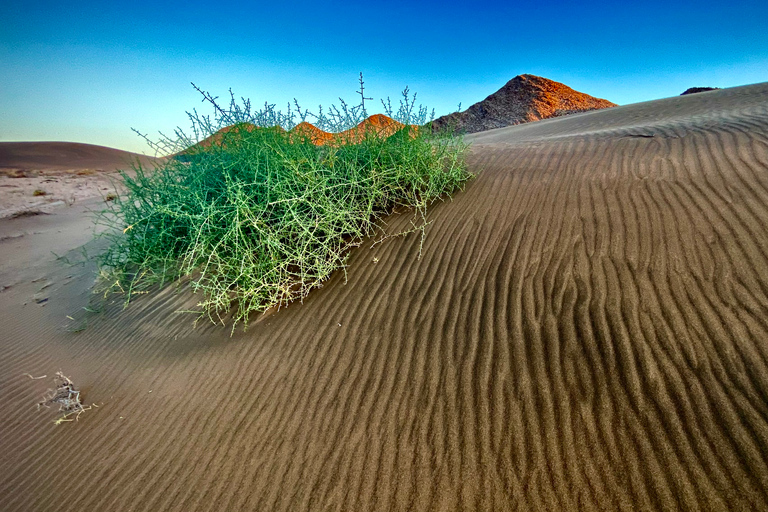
(263, 216)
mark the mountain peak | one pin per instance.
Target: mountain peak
(523, 99)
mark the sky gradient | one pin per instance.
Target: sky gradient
(91, 71)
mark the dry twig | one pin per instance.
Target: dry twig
(66, 396)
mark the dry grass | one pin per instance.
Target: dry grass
(67, 397)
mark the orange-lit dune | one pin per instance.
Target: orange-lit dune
(315, 134)
(379, 124)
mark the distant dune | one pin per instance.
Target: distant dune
(65, 156)
(584, 329)
(39, 176)
(523, 99)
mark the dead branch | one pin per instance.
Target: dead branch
(67, 396)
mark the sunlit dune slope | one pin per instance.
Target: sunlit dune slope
(378, 124)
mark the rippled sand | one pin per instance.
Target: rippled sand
(587, 329)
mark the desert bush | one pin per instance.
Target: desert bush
(261, 216)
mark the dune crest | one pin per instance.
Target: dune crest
(47, 156)
(379, 124)
(39, 176)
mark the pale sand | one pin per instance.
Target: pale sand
(587, 329)
(42, 176)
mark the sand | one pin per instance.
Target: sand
(587, 329)
(36, 177)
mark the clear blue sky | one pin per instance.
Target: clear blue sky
(89, 71)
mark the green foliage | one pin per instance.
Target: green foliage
(262, 217)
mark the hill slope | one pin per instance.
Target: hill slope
(523, 99)
(65, 156)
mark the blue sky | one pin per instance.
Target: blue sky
(90, 71)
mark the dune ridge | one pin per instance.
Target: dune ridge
(66, 156)
(585, 330)
(39, 176)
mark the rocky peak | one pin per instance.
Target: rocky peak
(523, 99)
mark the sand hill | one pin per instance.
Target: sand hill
(37, 176)
(45, 156)
(523, 99)
(586, 329)
(379, 124)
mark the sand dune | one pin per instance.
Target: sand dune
(35, 156)
(587, 329)
(41, 176)
(377, 123)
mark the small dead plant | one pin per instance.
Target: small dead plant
(67, 396)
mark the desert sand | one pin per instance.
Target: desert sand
(586, 329)
(36, 177)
